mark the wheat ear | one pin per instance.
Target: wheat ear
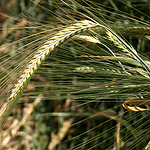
(135, 31)
(37, 60)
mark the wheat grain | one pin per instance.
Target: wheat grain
(38, 58)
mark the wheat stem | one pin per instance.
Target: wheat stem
(37, 60)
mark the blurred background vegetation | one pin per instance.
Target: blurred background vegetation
(63, 108)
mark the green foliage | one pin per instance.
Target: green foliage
(75, 99)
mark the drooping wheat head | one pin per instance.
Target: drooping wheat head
(93, 77)
(39, 57)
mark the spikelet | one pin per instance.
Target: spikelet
(87, 38)
(38, 58)
(85, 69)
(128, 50)
(135, 29)
(142, 32)
(121, 45)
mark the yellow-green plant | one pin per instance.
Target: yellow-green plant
(91, 75)
(38, 58)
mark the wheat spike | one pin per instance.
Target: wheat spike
(134, 31)
(121, 45)
(145, 30)
(38, 58)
